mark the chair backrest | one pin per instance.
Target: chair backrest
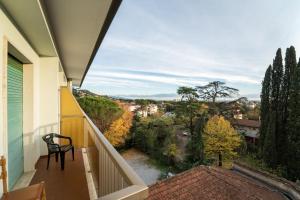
(49, 138)
(51, 145)
(3, 174)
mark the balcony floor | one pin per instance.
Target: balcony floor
(68, 184)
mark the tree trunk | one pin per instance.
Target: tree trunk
(220, 160)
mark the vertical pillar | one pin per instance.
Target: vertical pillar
(70, 85)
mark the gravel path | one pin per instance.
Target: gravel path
(139, 162)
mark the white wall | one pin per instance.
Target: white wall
(49, 98)
(41, 95)
(31, 150)
(1, 105)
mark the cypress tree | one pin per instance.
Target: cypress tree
(276, 112)
(290, 65)
(265, 106)
(269, 148)
(293, 122)
(196, 146)
(276, 102)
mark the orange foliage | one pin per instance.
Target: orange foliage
(119, 129)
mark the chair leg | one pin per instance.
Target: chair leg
(56, 156)
(62, 160)
(48, 160)
(73, 152)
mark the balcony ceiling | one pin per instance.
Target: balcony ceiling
(70, 29)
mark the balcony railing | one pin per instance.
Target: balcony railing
(113, 177)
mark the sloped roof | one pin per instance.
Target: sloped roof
(210, 183)
(246, 122)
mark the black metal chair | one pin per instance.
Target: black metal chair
(57, 149)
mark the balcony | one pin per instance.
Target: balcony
(109, 176)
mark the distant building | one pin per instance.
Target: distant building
(133, 107)
(152, 109)
(237, 114)
(250, 128)
(251, 105)
(169, 114)
(142, 113)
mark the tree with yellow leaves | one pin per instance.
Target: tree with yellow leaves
(220, 138)
(117, 132)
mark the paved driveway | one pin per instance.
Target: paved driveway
(139, 162)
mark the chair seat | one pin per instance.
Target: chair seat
(65, 148)
(33, 192)
(53, 148)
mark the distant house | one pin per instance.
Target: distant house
(251, 105)
(152, 109)
(133, 107)
(142, 113)
(250, 128)
(169, 114)
(237, 114)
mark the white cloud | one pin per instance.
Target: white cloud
(193, 43)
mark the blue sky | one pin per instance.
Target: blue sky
(155, 46)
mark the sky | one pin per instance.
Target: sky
(155, 46)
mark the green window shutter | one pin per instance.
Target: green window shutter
(15, 120)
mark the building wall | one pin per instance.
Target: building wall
(41, 94)
(49, 99)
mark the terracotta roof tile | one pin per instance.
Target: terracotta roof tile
(210, 183)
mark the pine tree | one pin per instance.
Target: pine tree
(265, 106)
(293, 128)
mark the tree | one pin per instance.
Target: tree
(187, 94)
(269, 148)
(275, 125)
(220, 138)
(280, 115)
(214, 90)
(171, 151)
(195, 145)
(101, 110)
(293, 161)
(119, 129)
(265, 106)
(290, 66)
(143, 103)
(189, 105)
(156, 137)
